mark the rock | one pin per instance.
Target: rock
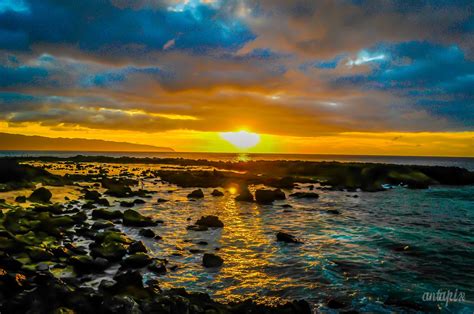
(138, 201)
(92, 195)
(211, 260)
(103, 202)
(210, 221)
(134, 218)
(111, 245)
(161, 200)
(20, 199)
(158, 267)
(333, 211)
(102, 224)
(202, 243)
(305, 195)
(245, 195)
(41, 195)
(263, 196)
(286, 237)
(106, 214)
(137, 260)
(147, 233)
(335, 304)
(38, 254)
(196, 194)
(127, 204)
(137, 247)
(217, 193)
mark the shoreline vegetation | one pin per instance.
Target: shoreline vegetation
(42, 240)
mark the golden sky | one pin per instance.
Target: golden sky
(324, 77)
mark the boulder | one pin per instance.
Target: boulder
(196, 194)
(20, 199)
(137, 247)
(137, 260)
(286, 237)
(41, 195)
(147, 233)
(158, 267)
(217, 193)
(245, 196)
(210, 221)
(211, 260)
(134, 218)
(91, 195)
(106, 214)
(263, 196)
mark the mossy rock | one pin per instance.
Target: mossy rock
(38, 254)
(137, 260)
(110, 250)
(134, 218)
(106, 214)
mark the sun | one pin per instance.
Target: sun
(241, 139)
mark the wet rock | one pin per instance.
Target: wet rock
(211, 260)
(106, 214)
(158, 267)
(42, 267)
(147, 233)
(196, 194)
(162, 200)
(335, 304)
(88, 205)
(102, 224)
(38, 254)
(138, 201)
(245, 195)
(137, 260)
(41, 195)
(134, 218)
(127, 204)
(92, 195)
(103, 202)
(310, 195)
(263, 196)
(217, 193)
(111, 245)
(286, 237)
(333, 211)
(210, 221)
(202, 243)
(137, 247)
(20, 199)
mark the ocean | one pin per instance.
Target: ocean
(383, 252)
(463, 162)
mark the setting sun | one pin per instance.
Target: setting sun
(241, 139)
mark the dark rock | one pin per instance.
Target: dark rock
(147, 233)
(137, 247)
(217, 193)
(158, 267)
(263, 196)
(202, 243)
(286, 237)
(245, 195)
(102, 224)
(20, 199)
(92, 195)
(333, 211)
(127, 204)
(335, 304)
(134, 218)
(138, 201)
(212, 260)
(162, 200)
(137, 260)
(103, 202)
(310, 195)
(210, 221)
(38, 254)
(196, 194)
(41, 195)
(106, 214)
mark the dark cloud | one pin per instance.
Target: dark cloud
(280, 67)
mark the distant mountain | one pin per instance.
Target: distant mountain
(23, 142)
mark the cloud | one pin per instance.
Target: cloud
(299, 68)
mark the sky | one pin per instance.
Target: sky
(384, 77)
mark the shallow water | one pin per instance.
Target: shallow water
(384, 249)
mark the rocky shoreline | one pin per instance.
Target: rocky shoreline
(48, 250)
